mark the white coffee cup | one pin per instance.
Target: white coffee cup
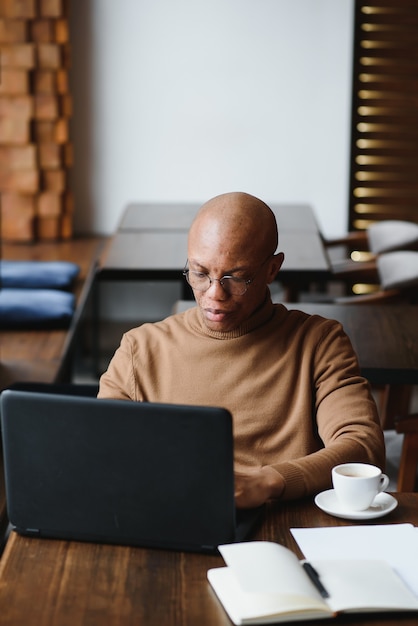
(357, 484)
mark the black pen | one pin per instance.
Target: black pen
(314, 576)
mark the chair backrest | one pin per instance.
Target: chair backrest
(396, 275)
(390, 235)
(408, 465)
(398, 270)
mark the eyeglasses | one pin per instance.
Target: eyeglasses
(233, 285)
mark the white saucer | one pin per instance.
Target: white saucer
(383, 504)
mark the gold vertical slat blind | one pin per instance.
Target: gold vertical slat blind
(384, 138)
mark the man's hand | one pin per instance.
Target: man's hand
(254, 486)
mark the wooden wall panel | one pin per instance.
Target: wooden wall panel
(35, 107)
(384, 147)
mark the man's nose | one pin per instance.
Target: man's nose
(216, 290)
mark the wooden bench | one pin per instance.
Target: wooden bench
(46, 355)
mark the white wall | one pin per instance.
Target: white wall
(179, 100)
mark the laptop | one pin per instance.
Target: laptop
(114, 471)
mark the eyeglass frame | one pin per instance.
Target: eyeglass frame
(243, 281)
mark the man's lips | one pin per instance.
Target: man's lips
(216, 315)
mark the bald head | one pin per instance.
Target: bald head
(239, 222)
(233, 236)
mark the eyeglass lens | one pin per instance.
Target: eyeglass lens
(202, 282)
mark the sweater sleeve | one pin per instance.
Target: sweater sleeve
(118, 382)
(344, 416)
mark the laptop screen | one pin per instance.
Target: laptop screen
(116, 471)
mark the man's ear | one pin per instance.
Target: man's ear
(275, 266)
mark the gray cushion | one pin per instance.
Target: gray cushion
(390, 235)
(398, 270)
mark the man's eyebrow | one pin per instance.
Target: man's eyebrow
(239, 268)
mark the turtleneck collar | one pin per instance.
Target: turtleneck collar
(259, 317)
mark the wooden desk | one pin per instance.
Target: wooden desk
(44, 355)
(151, 244)
(50, 582)
(162, 255)
(385, 338)
(179, 216)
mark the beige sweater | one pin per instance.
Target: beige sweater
(291, 382)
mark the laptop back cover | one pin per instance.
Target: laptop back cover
(118, 471)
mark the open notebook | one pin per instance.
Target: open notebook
(264, 583)
(146, 474)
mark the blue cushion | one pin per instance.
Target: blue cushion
(35, 308)
(38, 274)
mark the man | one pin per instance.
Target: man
(291, 381)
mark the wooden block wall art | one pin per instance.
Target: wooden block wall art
(35, 109)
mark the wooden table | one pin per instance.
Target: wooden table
(162, 255)
(58, 583)
(385, 339)
(151, 244)
(44, 355)
(179, 216)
